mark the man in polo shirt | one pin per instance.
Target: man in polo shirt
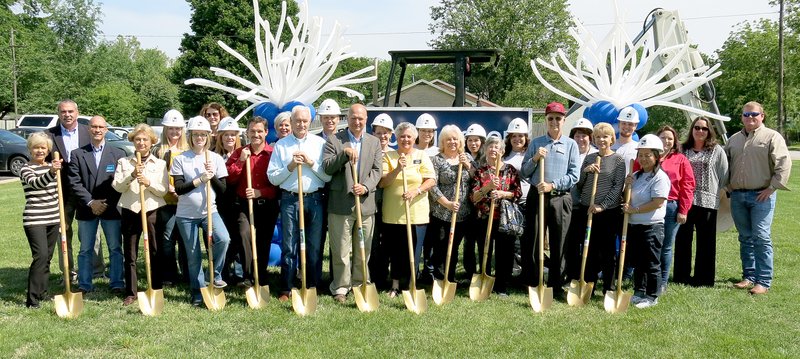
(759, 166)
(301, 148)
(561, 168)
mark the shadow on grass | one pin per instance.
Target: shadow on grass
(14, 284)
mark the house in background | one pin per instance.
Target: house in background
(435, 93)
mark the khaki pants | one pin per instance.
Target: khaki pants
(344, 241)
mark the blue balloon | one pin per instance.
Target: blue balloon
(602, 111)
(274, 255)
(277, 233)
(642, 115)
(635, 137)
(267, 110)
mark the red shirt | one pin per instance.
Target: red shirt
(509, 181)
(258, 166)
(681, 178)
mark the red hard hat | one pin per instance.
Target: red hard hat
(555, 107)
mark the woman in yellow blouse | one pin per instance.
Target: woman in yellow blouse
(130, 178)
(420, 177)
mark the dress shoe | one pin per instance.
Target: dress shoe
(744, 284)
(128, 300)
(285, 296)
(759, 289)
(341, 298)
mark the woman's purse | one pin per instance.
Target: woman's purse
(512, 221)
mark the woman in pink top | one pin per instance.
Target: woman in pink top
(681, 195)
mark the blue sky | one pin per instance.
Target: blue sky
(375, 27)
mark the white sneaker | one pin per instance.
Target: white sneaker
(647, 303)
(636, 299)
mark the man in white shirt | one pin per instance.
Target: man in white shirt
(301, 148)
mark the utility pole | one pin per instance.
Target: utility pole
(780, 72)
(14, 69)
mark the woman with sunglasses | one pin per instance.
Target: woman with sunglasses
(710, 166)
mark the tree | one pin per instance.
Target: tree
(522, 30)
(231, 22)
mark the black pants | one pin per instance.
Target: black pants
(602, 245)
(131, 231)
(398, 239)
(644, 242)
(438, 233)
(379, 253)
(557, 214)
(503, 246)
(265, 214)
(229, 211)
(42, 240)
(471, 237)
(170, 236)
(704, 220)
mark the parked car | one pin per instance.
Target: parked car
(45, 121)
(112, 138)
(13, 152)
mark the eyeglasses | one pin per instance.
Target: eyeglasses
(699, 128)
(751, 114)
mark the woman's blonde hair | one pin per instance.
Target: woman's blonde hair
(451, 130)
(40, 138)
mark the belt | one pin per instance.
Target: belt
(295, 193)
(260, 201)
(750, 190)
(555, 193)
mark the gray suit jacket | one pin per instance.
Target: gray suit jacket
(337, 164)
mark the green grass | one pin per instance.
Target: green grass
(687, 322)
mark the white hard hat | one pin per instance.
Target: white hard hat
(582, 123)
(475, 130)
(425, 120)
(628, 114)
(229, 124)
(383, 120)
(198, 123)
(652, 142)
(173, 118)
(329, 107)
(517, 125)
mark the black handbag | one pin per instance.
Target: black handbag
(512, 221)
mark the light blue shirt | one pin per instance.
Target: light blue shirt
(71, 141)
(356, 144)
(98, 153)
(314, 177)
(561, 165)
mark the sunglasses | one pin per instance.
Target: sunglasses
(699, 128)
(751, 114)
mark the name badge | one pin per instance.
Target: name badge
(416, 162)
(560, 149)
(110, 169)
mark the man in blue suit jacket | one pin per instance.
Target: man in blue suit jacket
(91, 171)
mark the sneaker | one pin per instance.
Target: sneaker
(502, 294)
(636, 299)
(647, 303)
(219, 284)
(197, 302)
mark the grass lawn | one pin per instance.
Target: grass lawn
(688, 322)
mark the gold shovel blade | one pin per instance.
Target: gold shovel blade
(257, 296)
(616, 302)
(68, 305)
(366, 297)
(443, 292)
(151, 302)
(416, 301)
(214, 298)
(579, 293)
(541, 298)
(480, 287)
(304, 302)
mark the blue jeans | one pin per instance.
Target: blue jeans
(189, 231)
(753, 220)
(87, 234)
(293, 238)
(670, 230)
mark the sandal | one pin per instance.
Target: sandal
(394, 293)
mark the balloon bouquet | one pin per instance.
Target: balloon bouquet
(618, 73)
(288, 75)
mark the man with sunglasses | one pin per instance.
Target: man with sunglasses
(561, 166)
(759, 165)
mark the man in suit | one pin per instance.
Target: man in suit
(341, 151)
(91, 171)
(70, 135)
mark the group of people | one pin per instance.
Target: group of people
(674, 190)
